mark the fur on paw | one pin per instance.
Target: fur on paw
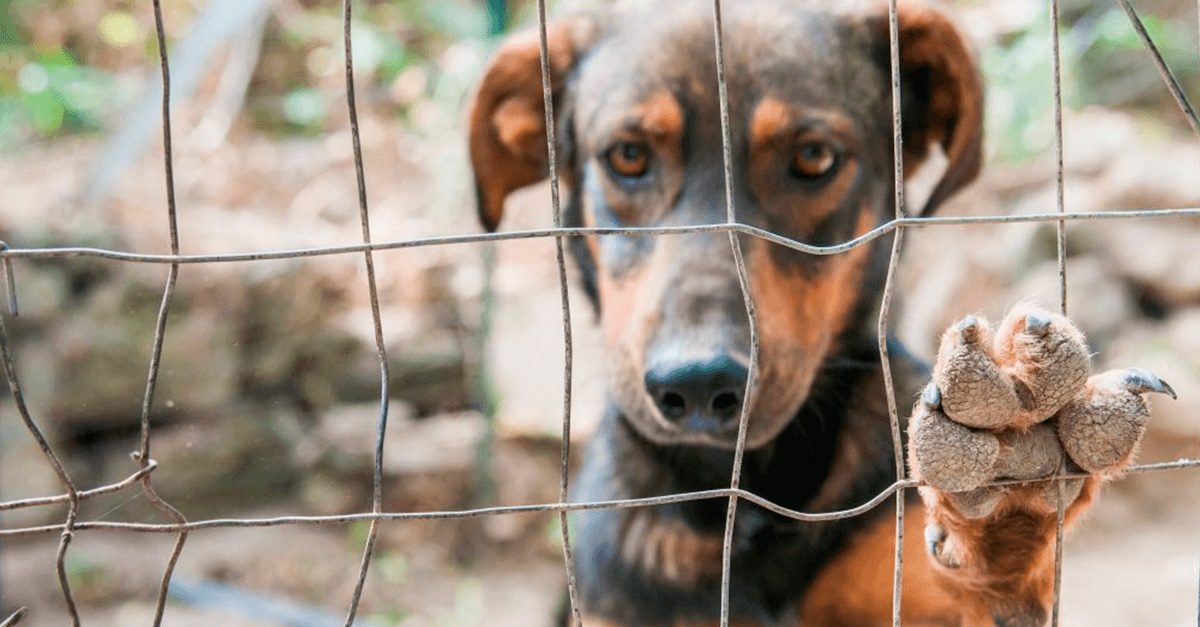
(1016, 402)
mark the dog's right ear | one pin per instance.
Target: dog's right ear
(942, 91)
(508, 120)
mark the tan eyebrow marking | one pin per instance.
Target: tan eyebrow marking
(771, 117)
(661, 115)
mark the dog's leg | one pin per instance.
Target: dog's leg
(1016, 403)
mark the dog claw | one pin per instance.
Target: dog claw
(931, 398)
(940, 546)
(935, 535)
(1036, 323)
(1140, 381)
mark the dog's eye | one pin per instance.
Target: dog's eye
(629, 159)
(813, 160)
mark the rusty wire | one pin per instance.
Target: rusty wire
(565, 302)
(1061, 253)
(641, 231)
(63, 498)
(735, 245)
(15, 617)
(667, 499)
(376, 318)
(72, 496)
(1172, 83)
(142, 456)
(10, 283)
(885, 304)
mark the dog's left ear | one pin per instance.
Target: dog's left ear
(507, 138)
(941, 92)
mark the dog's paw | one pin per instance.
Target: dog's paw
(1100, 429)
(1017, 402)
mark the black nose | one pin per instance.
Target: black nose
(698, 394)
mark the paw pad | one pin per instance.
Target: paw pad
(1016, 402)
(1015, 377)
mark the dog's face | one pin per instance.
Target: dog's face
(637, 98)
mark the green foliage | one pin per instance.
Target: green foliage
(304, 108)
(65, 79)
(404, 54)
(1103, 63)
(393, 567)
(357, 534)
(85, 575)
(46, 92)
(416, 60)
(389, 617)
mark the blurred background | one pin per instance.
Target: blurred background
(266, 403)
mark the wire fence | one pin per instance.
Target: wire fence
(181, 527)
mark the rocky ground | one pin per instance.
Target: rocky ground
(266, 404)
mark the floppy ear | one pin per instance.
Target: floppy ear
(507, 137)
(942, 96)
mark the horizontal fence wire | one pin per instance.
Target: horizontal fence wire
(573, 506)
(634, 231)
(142, 476)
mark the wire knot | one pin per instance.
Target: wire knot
(10, 280)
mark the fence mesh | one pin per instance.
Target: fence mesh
(142, 478)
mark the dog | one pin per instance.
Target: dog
(809, 92)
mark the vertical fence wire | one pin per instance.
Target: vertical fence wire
(10, 283)
(1185, 106)
(1177, 92)
(564, 294)
(142, 456)
(886, 302)
(376, 318)
(1059, 175)
(747, 300)
(14, 387)
(1061, 246)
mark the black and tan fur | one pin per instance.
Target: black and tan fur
(800, 74)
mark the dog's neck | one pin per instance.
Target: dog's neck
(814, 465)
